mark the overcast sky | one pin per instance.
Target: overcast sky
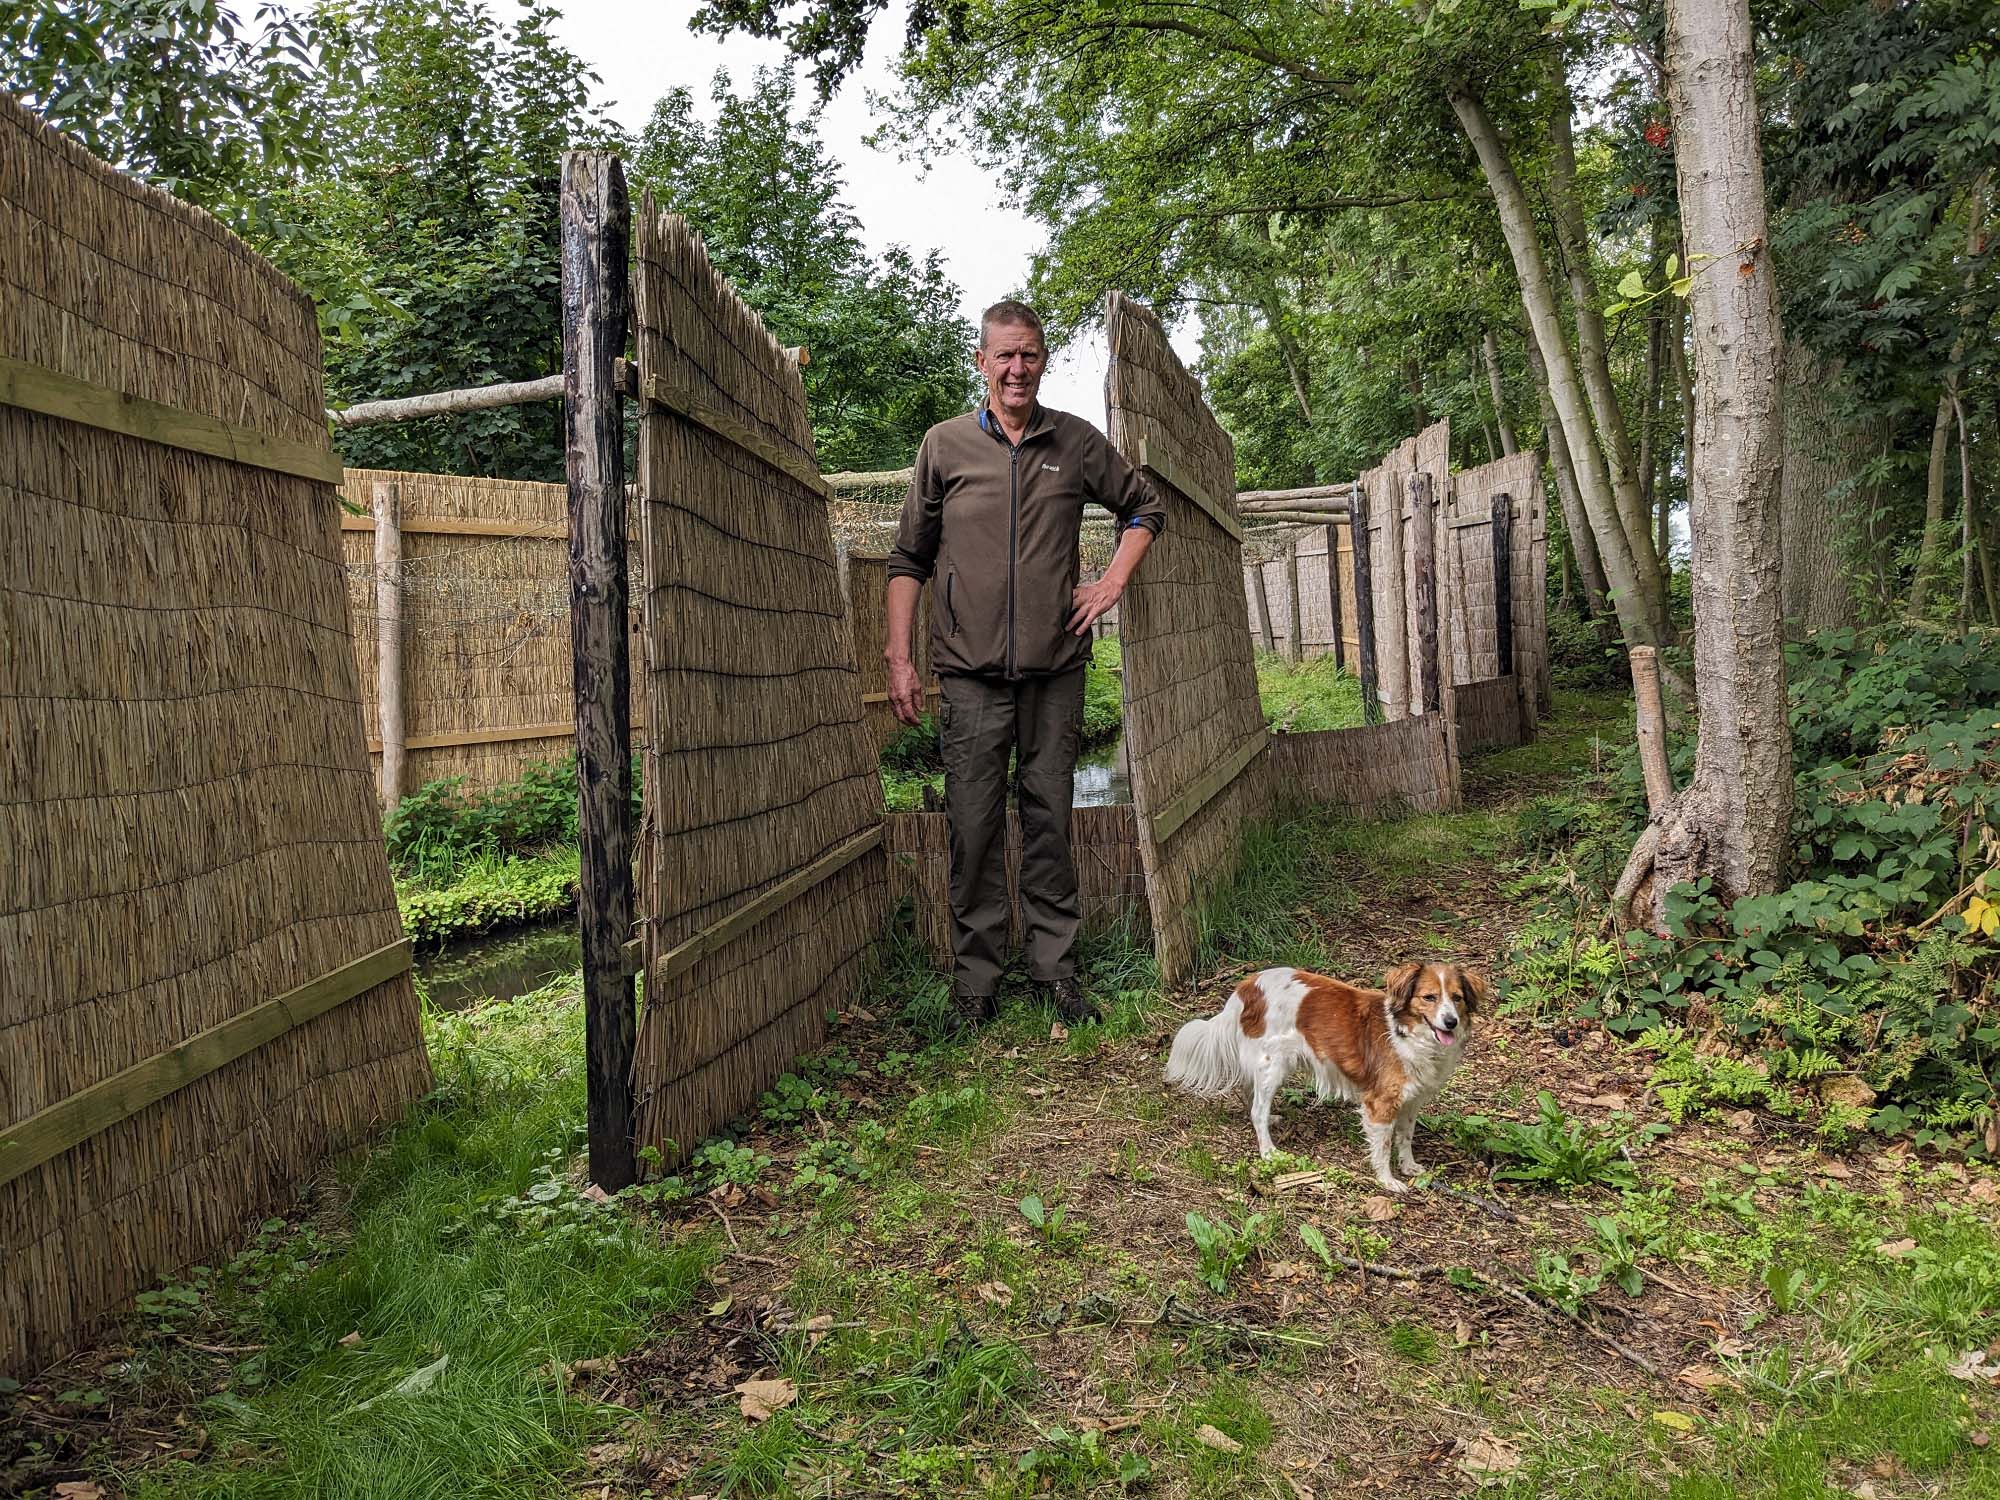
(643, 50)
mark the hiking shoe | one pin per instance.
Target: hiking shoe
(972, 1010)
(1070, 1001)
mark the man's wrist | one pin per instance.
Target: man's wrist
(896, 658)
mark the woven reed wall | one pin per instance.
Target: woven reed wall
(1111, 878)
(758, 764)
(1316, 622)
(867, 591)
(1376, 771)
(185, 800)
(1488, 714)
(486, 636)
(1386, 486)
(1190, 675)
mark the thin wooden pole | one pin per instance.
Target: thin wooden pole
(1652, 728)
(1263, 606)
(1364, 608)
(596, 236)
(1333, 593)
(387, 507)
(1503, 581)
(1295, 645)
(1423, 549)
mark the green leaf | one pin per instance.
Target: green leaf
(1033, 1211)
(1673, 266)
(1634, 285)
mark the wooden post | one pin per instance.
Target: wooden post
(1652, 728)
(1393, 650)
(1333, 593)
(1503, 581)
(387, 507)
(1263, 606)
(1295, 643)
(1364, 608)
(596, 236)
(1423, 550)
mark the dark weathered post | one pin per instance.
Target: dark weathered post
(596, 234)
(1503, 581)
(1263, 606)
(1333, 591)
(1364, 606)
(387, 508)
(1295, 618)
(1423, 549)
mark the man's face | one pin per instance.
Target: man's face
(1011, 359)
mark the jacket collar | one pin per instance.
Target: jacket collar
(1040, 421)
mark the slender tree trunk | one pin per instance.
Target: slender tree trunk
(1641, 612)
(1933, 538)
(1733, 821)
(1592, 346)
(1683, 407)
(1490, 348)
(1968, 531)
(1589, 567)
(1827, 446)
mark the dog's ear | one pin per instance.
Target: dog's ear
(1477, 992)
(1401, 982)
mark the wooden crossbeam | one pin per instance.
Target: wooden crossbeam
(48, 1133)
(657, 389)
(1169, 820)
(463, 526)
(1162, 463)
(35, 388)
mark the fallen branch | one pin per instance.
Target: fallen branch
(1557, 1310)
(1485, 1205)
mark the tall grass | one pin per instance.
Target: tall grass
(1307, 695)
(459, 1240)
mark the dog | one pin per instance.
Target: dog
(1389, 1051)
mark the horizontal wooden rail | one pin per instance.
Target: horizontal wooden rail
(930, 692)
(462, 526)
(48, 1133)
(1164, 464)
(506, 734)
(1169, 820)
(658, 390)
(35, 388)
(685, 955)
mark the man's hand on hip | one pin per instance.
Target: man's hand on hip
(906, 692)
(1092, 600)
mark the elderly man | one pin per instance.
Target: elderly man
(991, 521)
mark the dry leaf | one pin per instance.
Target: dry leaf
(79, 1489)
(1705, 1378)
(594, 1194)
(997, 1292)
(351, 1340)
(1839, 1170)
(1897, 1249)
(1461, 1333)
(1221, 1442)
(1729, 1348)
(1742, 1119)
(1973, 1364)
(1845, 1088)
(1979, 1439)
(1486, 1454)
(1058, 1032)
(1608, 1101)
(1674, 1421)
(1379, 1206)
(1984, 1191)
(1864, 1490)
(761, 1398)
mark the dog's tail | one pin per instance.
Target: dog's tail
(1207, 1053)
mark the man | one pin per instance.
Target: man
(991, 521)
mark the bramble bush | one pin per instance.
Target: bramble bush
(1878, 964)
(439, 828)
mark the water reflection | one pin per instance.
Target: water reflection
(1103, 778)
(500, 968)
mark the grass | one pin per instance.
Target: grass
(1307, 695)
(941, 1340)
(489, 892)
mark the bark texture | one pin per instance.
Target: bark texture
(1489, 347)
(1733, 821)
(1828, 442)
(1589, 567)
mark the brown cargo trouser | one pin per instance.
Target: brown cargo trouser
(981, 719)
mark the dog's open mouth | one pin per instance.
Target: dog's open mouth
(1445, 1038)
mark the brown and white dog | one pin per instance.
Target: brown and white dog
(1388, 1050)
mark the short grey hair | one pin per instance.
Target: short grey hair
(1010, 313)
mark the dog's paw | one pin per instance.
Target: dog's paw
(1394, 1185)
(1410, 1167)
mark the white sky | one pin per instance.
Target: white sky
(643, 50)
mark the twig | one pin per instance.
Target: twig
(1485, 1205)
(727, 1228)
(1377, 1268)
(1556, 1310)
(181, 1338)
(1947, 907)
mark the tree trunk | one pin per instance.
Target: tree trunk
(1589, 567)
(1641, 613)
(1733, 822)
(1827, 445)
(1490, 347)
(1933, 539)
(1592, 347)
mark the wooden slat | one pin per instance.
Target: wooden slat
(506, 734)
(35, 388)
(457, 526)
(930, 692)
(48, 1133)
(685, 955)
(658, 390)
(1162, 463)
(1213, 781)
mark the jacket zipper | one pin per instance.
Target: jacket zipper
(1013, 549)
(950, 609)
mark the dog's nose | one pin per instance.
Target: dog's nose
(1449, 1021)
